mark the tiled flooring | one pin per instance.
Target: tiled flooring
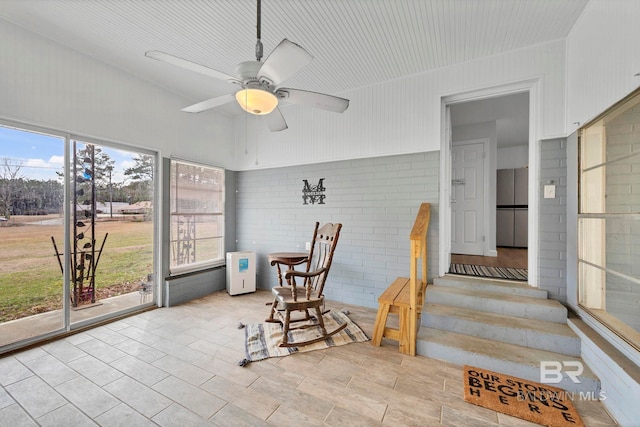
(178, 367)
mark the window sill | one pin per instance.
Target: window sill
(625, 332)
(193, 272)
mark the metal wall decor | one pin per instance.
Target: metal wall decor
(186, 242)
(84, 256)
(313, 193)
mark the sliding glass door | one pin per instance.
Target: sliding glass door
(31, 225)
(77, 232)
(112, 230)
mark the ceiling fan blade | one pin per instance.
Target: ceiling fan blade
(209, 103)
(275, 121)
(313, 99)
(285, 60)
(183, 63)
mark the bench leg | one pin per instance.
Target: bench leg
(381, 323)
(405, 333)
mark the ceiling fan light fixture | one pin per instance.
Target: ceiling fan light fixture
(256, 101)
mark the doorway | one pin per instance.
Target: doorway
(502, 117)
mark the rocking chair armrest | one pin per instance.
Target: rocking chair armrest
(288, 263)
(305, 274)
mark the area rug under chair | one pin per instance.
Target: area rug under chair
(262, 339)
(506, 273)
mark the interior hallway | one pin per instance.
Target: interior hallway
(178, 367)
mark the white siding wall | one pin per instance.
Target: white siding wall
(400, 116)
(603, 54)
(50, 85)
(46, 84)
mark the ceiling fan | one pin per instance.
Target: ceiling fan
(260, 82)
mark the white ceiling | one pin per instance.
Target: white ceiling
(356, 43)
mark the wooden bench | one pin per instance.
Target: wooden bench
(405, 296)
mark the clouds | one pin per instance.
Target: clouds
(40, 156)
(40, 168)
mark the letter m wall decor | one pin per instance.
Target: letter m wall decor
(313, 193)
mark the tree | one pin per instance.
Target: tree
(8, 178)
(142, 170)
(102, 167)
(100, 170)
(141, 175)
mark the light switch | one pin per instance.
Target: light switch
(549, 191)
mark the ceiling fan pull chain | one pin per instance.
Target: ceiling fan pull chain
(258, 34)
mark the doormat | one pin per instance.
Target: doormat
(262, 339)
(507, 273)
(538, 403)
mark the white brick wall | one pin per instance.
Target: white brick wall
(376, 200)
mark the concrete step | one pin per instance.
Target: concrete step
(509, 359)
(490, 285)
(538, 334)
(498, 303)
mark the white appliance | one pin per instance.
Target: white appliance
(241, 272)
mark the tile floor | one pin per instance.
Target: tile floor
(178, 367)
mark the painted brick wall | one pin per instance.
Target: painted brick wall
(188, 287)
(376, 200)
(552, 267)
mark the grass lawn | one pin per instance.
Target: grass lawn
(30, 276)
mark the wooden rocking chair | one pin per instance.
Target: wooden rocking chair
(309, 294)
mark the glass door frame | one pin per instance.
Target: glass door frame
(157, 297)
(157, 180)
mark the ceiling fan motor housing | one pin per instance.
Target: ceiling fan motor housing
(247, 71)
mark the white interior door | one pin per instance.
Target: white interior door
(467, 197)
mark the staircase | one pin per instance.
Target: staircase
(503, 326)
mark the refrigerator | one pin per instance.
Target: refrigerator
(512, 210)
(241, 272)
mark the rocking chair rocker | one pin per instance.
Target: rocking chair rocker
(309, 295)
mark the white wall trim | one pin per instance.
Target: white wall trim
(533, 87)
(444, 244)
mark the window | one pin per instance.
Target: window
(609, 218)
(197, 216)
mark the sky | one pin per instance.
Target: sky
(40, 156)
